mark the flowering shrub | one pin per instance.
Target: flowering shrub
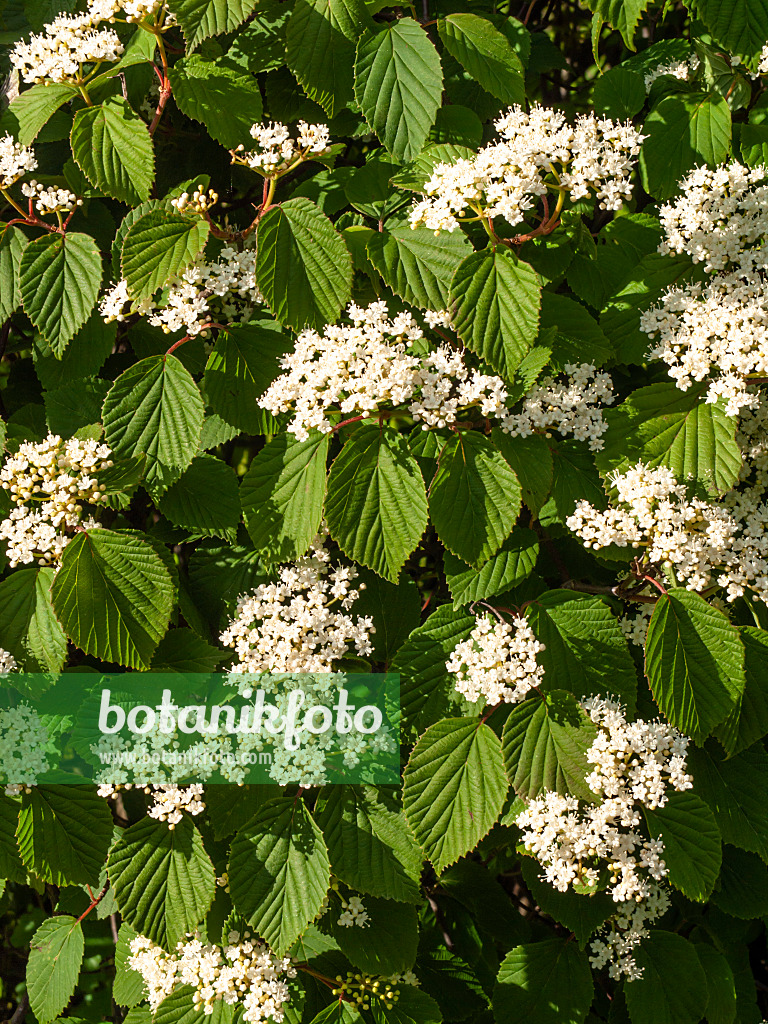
(348, 339)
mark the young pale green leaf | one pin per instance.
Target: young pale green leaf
(64, 833)
(748, 722)
(736, 790)
(694, 660)
(59, 278)
(682, 131)
(155, 408)
(661, 425)
(220, 95)
(417, 264)
(692, 846)
(474, 498)
(495, 299)
(486, 54)
(200, 19)
(29, 112)
(113, 595)
(369, 845)
(279, 871)
(376, 504)
(282, 495)
(581, 913)
(303, 267)
(55, 955)
(29, 629)
(513, 563)
(204, 499)
(320, 48)
(12, 242)
(544, 746)
(162, 878)
(585, 651)
(741, 26)
(673, 985)
(454, 788)
(158, 247)
(547, 982)
(244, 362)
(398, 85)
(113, 148)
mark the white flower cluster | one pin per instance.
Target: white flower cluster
(292, 626)
(223, 290)
(574, 406)
(169, 800)
(720, 214)
(353, 913)
(51, 199)
(633, 766)
(679, 69)
(23, 743)
(762, 67)
(132, 10)
(362, 366)
(538, 151)
(704, 543)
(58, 53)
(48, 483)
(7, 663)
(243, 973)
(277, 152)
(15, 161)
(497, 661)
(635, 626)
(199, 202)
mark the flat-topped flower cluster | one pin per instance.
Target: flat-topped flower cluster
(634, 766)
(538, 152)
(497, 661)
(277, 152)
(23, 743)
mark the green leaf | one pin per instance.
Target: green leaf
(721, 987)
(12, 242)
(486, 54)
(512, 564)
(320, 48)
(620, 93)
(303, 267)
(661, 425)
(162, 879)
(29, 112)
(29, 629)
(244, 362)
(279, 872)
(76, 405)
(376, 505)
(743, 886)
(158, 247)
(11, 867)
(412, 1007)
(417, 264)
(416, 174)
(200, 19)
(181, 650)
(260, 45)
(218, 94)
(454, 788)
(474, 498)
(64, 833)
(673, 985)
(399, 85)
(753, 144)
(369, 845)
(544, 745)
(692, 847)
(113, 596)
(683, 131)
(737, 793)
(204, 499)
(585, 650)
(496, 299)
(388, 943)
(748, 722)
(129, 988)
(578, 338)
(741, 26)
(580, 913)
(694, 660)
(531, 459)
(179, 1008)
(59, 278)
(282, 495)
(113, 148)
(547, 982)
(155, 407)
(55, 954)
(395, 609)
(623, 15)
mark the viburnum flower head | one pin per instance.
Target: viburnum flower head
(277, 151)
(538, 152)
(60, 51)
(15, 161)
(497, 661)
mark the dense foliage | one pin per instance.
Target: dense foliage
(427, 339)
